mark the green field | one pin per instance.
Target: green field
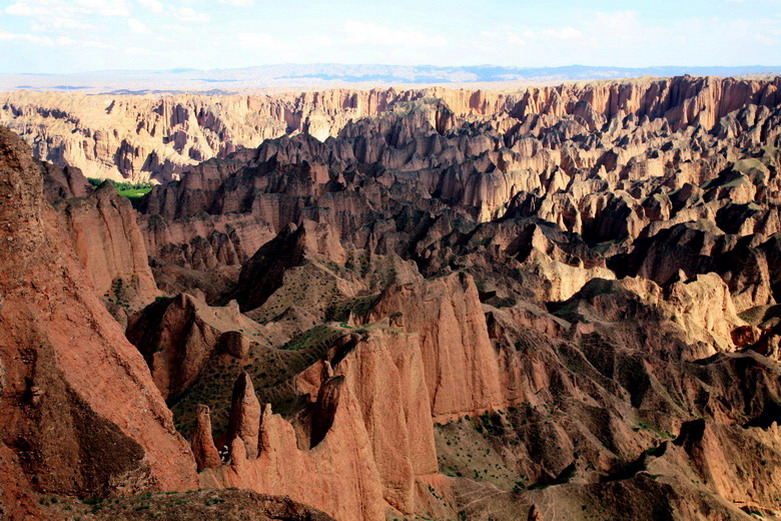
(133, 191)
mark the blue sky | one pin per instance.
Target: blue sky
(41, 36)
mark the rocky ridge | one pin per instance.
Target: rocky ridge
(142, 137)
(576, 283)
(560, 305)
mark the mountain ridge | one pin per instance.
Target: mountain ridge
(321, 75)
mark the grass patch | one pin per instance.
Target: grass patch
(643, 426)
(133, 191)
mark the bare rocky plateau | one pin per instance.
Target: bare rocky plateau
(553, 304)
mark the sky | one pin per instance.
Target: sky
(63, 36)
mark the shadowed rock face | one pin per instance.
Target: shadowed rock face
(555, 304)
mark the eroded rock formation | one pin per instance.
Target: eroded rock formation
(133, 137)
(556, 303)
(568, 279)
(81, 414)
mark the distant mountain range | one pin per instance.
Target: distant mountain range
(275, 77)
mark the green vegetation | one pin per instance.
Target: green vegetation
(318, 338)
(404, 109)
(643, 426)
(271, 369)
(119, 295)
(193, 504)
(759, 315)
(466, 449)
(310, 286)
(133, 191)
(490, 423)
(358, 306)
(755, 169)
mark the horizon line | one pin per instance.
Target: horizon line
(178, 70)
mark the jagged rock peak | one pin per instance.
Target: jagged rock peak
(244, 423)
(206, 455)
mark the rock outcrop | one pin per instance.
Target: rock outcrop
(102, 230)
(206, 455)
(459, 362)
(133, 137)
(177, 336)
(355, 436)
(81, 413)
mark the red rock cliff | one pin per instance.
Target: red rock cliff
(73, 388)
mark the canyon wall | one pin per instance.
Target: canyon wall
(80, 410)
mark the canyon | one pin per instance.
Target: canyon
(559, 302)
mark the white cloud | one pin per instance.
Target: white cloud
(562, 33)
(152, 5)
(188, 15)
(172, 28)
(104, 7)
(173, 35)
(93, 44)
(43, 25)
(29, 38)
(175, 13)
(68, 17)
(137, 26)
(502, 37)
(50, 9)
(619, 38)
(368, 33)
(617, 24)
(49, 41)
(238, 3)
(137, 51)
